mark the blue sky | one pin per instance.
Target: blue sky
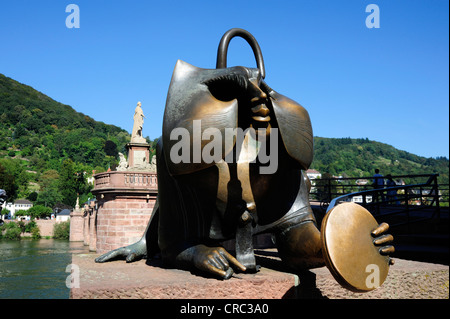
(389, 84)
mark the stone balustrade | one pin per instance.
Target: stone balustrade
(126, 180)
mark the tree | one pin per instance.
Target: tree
(48, 178)
(39, 211)
(19, 184)
(32, 196)
(8, 183)
(68, 183)
(50, 196)
(110, 148)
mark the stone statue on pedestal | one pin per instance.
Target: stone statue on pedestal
(123, 164)
(136, 134)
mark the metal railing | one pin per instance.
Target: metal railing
(397, 200)
(324, 190)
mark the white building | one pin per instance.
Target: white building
(20, 204)
(313, 174)
(63, 215)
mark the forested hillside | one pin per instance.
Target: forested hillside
(359, 157)
(46, 147)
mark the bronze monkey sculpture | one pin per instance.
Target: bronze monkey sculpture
(202, 202)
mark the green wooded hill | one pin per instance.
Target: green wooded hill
(359, 157)
(45, 146)
(43, 141)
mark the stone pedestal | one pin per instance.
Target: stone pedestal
(93, 230)
(141, 279)
(76, 225)
(137, 280)
(124, 204)
(86, 227)
(138, 154)
(122, 219)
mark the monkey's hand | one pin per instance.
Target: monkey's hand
(383, 241)
(213, 260)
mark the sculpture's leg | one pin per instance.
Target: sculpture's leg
(299, 245)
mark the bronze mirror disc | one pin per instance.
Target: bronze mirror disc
(350, 255)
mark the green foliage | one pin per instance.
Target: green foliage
(61, 230)
(39, 211)
(35, 233)
(30, 226)
(41, 135)
(21, 213)
(21, 225)
(13, 234)
(359, 157)
(9, 225)
(8, 182)
(11, 230)
(68, 183)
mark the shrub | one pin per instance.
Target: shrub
(30, 226)
(5, 212)
(35, 233)
(12, 231)
(61, 230)
(9, 225)
(21, 225)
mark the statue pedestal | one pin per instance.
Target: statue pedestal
(76, 225)
(137, 280)
(124, 204)
(138, 154)
(142, 279)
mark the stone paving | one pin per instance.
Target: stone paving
(117, 279)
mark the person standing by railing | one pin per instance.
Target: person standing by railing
(391, 194)
(378, 182)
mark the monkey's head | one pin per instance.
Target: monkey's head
(251, 92)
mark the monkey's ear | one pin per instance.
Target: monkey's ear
(227, 87)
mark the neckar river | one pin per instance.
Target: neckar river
(36, 269)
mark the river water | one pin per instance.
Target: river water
(36, 269)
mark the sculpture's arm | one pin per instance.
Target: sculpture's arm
(131, 253)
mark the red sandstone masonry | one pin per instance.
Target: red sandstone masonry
(406, 280)
(125, 202)
(121, 222)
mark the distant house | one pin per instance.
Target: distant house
(362, 182)
(63, 215)
(313, 174)
(20, 204)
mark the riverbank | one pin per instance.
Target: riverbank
(41, 228)
(46, 226)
